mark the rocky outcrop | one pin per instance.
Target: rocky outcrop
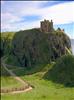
(35, 47)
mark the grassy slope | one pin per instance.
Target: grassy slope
(7, 34)
(62, 71)
(44, 89)
(8, 81)
(6, 39)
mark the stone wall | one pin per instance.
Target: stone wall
(46, 26)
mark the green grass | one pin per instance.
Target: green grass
(7, 34)
(62, 71)
(8, 81)
(43, 89)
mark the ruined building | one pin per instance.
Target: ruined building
(46, 26)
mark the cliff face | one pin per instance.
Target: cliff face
(35, 47)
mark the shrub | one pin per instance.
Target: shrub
(63, 71)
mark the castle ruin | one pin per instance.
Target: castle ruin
(46, 26)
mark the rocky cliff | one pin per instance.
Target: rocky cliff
(32, 46)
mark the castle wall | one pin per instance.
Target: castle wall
(46, 26)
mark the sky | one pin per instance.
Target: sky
(21, 15)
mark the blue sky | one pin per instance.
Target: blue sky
(21, 15)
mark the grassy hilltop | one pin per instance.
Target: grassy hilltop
(6, 41)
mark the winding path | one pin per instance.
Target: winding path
(17, 78)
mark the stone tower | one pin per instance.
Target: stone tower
(46, 26)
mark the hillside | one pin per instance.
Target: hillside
(62, 71)
(37, 48)
(32, 46)
(6, 40)
(43, 89)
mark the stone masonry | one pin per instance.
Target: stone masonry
(46, 26)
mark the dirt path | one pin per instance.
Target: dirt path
(17, 78)
(14, 75)
(19, 91)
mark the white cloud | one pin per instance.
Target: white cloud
(9, 18)
(7, 21)
(60, 14)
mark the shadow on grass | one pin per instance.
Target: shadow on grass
(21, 71)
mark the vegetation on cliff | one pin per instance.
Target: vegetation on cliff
(32, 46)
(6, 41)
